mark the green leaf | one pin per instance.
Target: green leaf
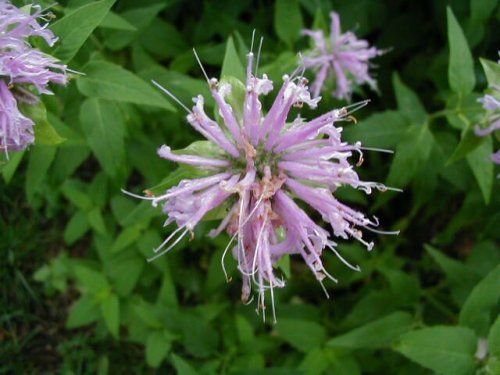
(123, 272)
(75, 27)
(73, 191)
(158, 345)
(494, 338)
(106, 80)
(45, 134)
(76, 228)
(445, 350)
(126, 238)
(10, 168)
(288, 20)
(409, 103)
(410, 154)
(456, 272)
(301, 334)
(110, 309)
(481, 10)
(469, 142)
(315, 362)
(377, 334)
(91, 280)
(481, 165)
(461, 75)
(492, 72)
(116, 22)
(96, 221)
(41, 158)
(182, 367)
(383, 130)
(232, 65)
(482, 301)
(104, 130)
(140, 17)
(83, 312)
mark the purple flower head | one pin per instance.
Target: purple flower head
(342, 56)
(491, 103)
(23, 68)
(259, 165)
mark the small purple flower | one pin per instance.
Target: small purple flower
(22, 69)
(491, 103)
(260, 166)
(342, 56)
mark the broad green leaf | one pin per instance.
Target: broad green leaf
(124, 271)
(288, 20)
(45, 134)
(10, 168)
(341, 363)
(76, 228)
(456, 272)
(482, 301)
(116, 22)
(468, 143)
(104, 130)
(158, 345)
(494, 338)
(109, 81)
(202, 148)
(411, 153)
(90, 279)
(481, 10)
(301, 334)
(84, 311)
(481, 165)
(74, 192)
(383, 130)
(445, 350)
(244, 329)
(232, 65)
(140, 17)
(96, 221)
(75, 27)
(110, 309)
(126, 238)
(41, 157)
(461, 75)
(409, 103)
(492, 72)
(182, 367)
(378, 334)
(315, 362)
(236, 98)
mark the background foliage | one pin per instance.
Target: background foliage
(78, 297)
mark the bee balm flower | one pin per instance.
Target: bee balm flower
(22, 68)
(491, 103)
(342, 56)
(261, 165)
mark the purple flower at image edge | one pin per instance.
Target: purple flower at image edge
(342, 56)
(22, 69)
(263, 165)
(491, 103)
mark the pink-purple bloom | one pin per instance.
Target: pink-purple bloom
(261, 165)
(25, 72)
(341, 56)
(491, 103)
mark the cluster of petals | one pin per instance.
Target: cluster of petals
(491, 103)
(342, 56)
(25, 71)
(265, 164)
